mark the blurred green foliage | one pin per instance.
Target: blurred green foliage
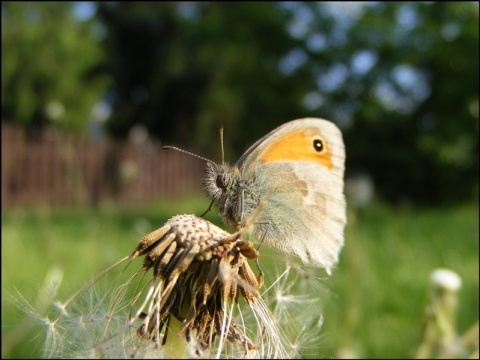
(400, 79)
(373, 304)
(50, 63)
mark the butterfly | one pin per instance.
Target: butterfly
(293, 179)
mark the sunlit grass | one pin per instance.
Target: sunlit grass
(381, 287)
(372, 305)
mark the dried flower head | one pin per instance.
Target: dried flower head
(198, 270)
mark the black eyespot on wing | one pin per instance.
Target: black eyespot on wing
(318, 145)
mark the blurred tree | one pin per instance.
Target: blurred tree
(249, 92)
(400, 79)
(49, 65)
(409, 99)
(184, 69)
(140, 49)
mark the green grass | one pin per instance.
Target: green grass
(376, 296)
(381, 286)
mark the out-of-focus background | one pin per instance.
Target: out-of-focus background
(92, 90)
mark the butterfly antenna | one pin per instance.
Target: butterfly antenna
(188, 153)
(221, 144)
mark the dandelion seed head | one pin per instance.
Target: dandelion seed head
(446, 279)
(61, 307)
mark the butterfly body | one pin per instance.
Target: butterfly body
(293, 176)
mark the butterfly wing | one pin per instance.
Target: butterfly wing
(297, 180)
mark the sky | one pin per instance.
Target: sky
(84, 10)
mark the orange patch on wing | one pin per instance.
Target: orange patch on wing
(298, 146)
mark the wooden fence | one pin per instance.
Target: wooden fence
(51, 168)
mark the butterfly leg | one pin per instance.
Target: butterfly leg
(208, 209)
(257, 262)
